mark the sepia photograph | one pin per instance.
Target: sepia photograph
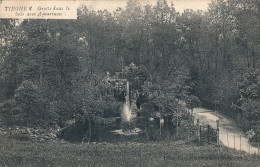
(130, 83)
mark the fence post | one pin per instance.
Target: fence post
(234, 142)
(258, 145)
(177, 126)
(208, 134)
(218, 133)
(227, 140)
(198, 130)
(240, 142)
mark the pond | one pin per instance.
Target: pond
(145, 131)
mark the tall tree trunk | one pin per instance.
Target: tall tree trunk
(247, 56)
(89, 129)
(223, 49)
(253, 59)
(258, 32)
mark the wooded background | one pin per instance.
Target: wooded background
(53, 70)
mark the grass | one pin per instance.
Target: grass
(171, 153)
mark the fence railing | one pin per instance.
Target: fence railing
(209, 135)
(241, 143)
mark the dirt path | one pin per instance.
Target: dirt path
(230, 135)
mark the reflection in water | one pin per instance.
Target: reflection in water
(128, 133)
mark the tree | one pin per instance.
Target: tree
(29, 99)
(248, 103)
(192, 102)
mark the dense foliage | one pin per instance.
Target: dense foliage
(56, 67)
